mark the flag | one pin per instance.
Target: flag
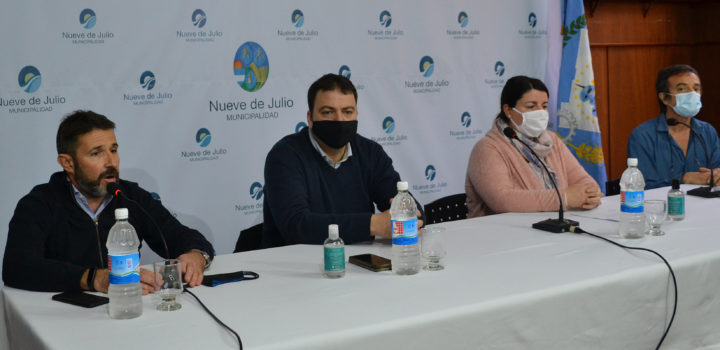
(577, 122)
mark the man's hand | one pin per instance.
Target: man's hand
(701, 177)
(102, 281)
(380, 224)
(147, 281)
(697, 177)
(193, 265)
(583, 196)
(716, 175)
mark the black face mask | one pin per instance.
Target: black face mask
(334, 133)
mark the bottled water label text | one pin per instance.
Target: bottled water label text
(124, 269)
(404, 232)
(632, 201)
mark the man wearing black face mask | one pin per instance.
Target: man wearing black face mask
(327, 174)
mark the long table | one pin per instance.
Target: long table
(505, 286)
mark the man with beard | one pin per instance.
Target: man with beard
(56, 240)
(328, 174)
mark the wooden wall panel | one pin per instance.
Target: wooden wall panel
(629, 49)
(623, 24)
(706, 59)
(632, 72)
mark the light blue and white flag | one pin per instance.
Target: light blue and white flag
(577, 117)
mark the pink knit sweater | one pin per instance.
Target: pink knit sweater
(499, 179)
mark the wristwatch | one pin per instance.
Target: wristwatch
(208, 258)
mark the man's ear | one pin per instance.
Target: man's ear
(665, 97)
(66, 162)
(309, 119)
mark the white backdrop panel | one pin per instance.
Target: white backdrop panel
(436, 119)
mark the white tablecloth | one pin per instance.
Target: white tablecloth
(505, 286)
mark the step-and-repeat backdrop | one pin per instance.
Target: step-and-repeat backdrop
(201, 90)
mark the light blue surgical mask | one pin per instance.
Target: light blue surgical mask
(687, 104)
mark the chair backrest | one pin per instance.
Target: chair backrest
(249, 239)
(449, 208)
(612, 187)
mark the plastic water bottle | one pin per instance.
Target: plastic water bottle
(632, 195)
(405, 249)
(125, 291)
(676, 202)
(334, 251)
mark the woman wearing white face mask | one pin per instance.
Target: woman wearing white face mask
(666, 152)
(504, 176)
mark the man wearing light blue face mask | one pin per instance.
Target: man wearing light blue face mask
(666, 151)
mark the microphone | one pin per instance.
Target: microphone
(560, 224)
(706, 192)
(114, 189)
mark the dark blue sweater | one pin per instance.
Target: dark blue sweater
(304, 194)
(52, 241)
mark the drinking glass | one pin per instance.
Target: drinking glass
(655, 212)
(168, 283)
(432, 247)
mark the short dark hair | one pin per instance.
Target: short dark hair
(330, 82)
(662, 85)
(514, 90)
(76, 124)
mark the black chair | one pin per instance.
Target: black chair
(249, 239)
(449, 208)
(612, 187)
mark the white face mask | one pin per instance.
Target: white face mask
(534, 122)
(687, 104)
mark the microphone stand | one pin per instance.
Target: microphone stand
(114, 189)
(705, 192)
(560, 224)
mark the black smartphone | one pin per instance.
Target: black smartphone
(81, 299)
(371, 262)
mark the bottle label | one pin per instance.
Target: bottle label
(335, 259)
(676, 206)
(404, 232)
(124, 269)
(632, 201)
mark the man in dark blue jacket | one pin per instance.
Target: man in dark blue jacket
(327, 174)
(57, 235)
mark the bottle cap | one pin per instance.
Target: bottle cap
(333, 231)
(121, 213)
(675, 184)
(632, 162)
(402, 186)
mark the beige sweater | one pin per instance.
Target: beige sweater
(499, 179)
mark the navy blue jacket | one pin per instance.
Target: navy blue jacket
(52, 241)
(304, 194)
